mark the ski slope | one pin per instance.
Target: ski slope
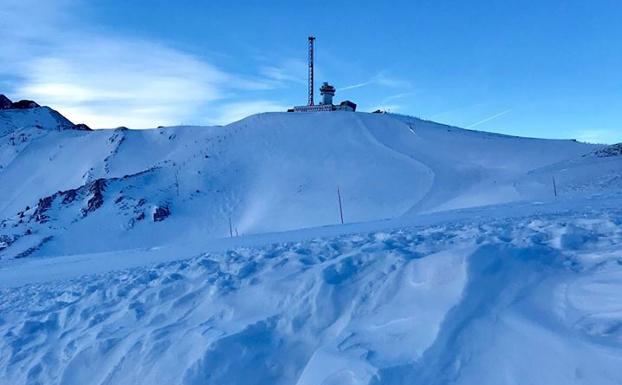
(68, 191)
(457, 263)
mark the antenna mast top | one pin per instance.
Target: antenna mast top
(311, 40)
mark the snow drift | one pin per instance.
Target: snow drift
(533, 299)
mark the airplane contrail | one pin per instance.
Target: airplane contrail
(359, 85)
(495, 116)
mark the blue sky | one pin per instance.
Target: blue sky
(545, 69)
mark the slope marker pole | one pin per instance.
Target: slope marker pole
(230, 228)
(554, 186)
(340, 207)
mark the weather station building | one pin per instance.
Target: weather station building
(326, 91)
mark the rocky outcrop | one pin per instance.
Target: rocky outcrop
(42, 207)
(96, 200)
(95, 191)
(613, 150)
(6, 104)
(24, 105)
(161, 213)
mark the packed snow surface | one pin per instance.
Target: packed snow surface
(467, 257)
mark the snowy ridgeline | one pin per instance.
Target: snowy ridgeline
(500, 264)
(532, 299)
(68, 191)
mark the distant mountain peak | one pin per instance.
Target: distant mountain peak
(27, 113)
(7, 104)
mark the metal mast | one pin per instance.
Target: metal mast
(311, 39)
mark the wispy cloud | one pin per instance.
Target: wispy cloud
(489, 118)
(354, 86)
(392, 103)
(384, 79)
(106, 80)
(114, 82)
(380, 79)
(398, 96)
(288, 71)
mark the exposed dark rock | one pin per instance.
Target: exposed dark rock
(24, 105)
(613, 150)
(44, 204)
(161, 213)
(93, 194)
(97, 196)
(69, 196)
(5, 103)
(42, 207)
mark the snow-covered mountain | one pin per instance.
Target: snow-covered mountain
(115, 189)
(466, 257)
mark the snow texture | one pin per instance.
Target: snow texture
(467, 257)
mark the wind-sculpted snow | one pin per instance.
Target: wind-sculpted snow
(533, 300)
